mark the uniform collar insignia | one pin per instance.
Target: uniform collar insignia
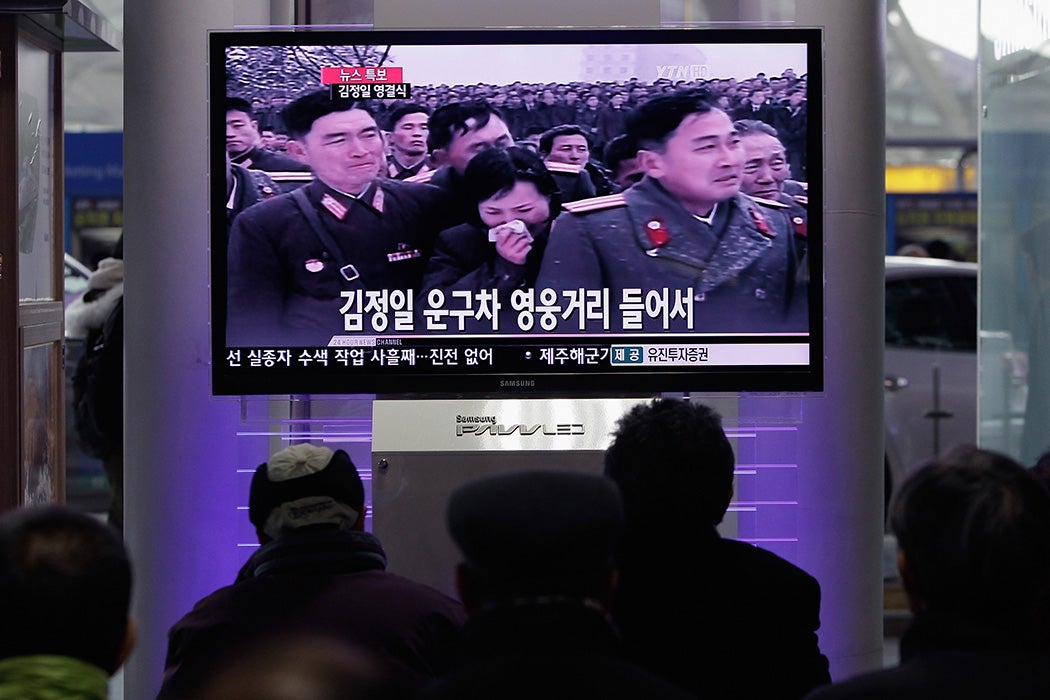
(338, 203)
(334, 206)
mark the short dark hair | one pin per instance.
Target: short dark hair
(495, 170)
(974, 527)
(283, 659)
(450, 120)
(300, 115)
(239, 104)
(673, 464)
(403, 110)
(618, 150)
(1041, 469)
(65, 586)
(748, 127)
(652, 123)
(548, 136)
(509, 552)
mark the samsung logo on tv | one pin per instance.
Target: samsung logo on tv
(500, 430)
(475, 419)
(512, 383)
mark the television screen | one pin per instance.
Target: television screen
(505, 212)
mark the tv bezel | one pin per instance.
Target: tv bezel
(607, 382)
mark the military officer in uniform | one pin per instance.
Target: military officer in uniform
(244, 144)
(408, 141)
(566, 153)
(686, 227)
(291, 258)
(766, 173)
(244, 188)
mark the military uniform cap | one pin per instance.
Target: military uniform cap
(531, 524)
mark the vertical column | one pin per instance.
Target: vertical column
(840, 441)
(181, 491)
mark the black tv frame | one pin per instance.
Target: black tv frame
(522, 378)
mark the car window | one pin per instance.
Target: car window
(932, 312)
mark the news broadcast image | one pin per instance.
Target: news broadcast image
(459, 211)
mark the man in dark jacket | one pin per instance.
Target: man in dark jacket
(726, 261)
(317, 572)
(244, 143)
(536, 580)
(296, 261)
(245, 187)
(721, 618)
(756, 107)
(973, 532)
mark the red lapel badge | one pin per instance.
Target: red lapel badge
(658, 235)
(800, 226)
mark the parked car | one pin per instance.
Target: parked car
(930, 364)
(930, 361)
(86, 486)
(76, 278)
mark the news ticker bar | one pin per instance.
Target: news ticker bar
(662, 354)
(720, 355)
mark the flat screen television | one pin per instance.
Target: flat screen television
(687, 256)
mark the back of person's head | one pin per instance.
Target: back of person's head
(306, 486)
(973, 530)
(673, 464)
(300, 115)
(65, 587)
(618, 150)
(298, 667)
(539, 533)
(651, 124)
(495, 171)
(455, 119)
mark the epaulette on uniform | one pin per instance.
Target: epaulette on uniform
(583, 206)
(768, 202)
(291, 176)
(421, 178)
(564, 168)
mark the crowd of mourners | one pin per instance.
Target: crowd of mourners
(599, 108)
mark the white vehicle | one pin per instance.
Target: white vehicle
(930, 361)
(76, 277)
